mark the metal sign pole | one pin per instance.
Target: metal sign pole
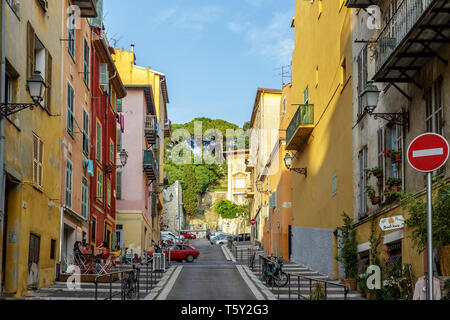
(430, 238)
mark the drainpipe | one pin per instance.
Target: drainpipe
(2, 136)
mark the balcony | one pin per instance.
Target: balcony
(249, 192)
(87, 8)
(300, 127)
(411, 37)
(167, 129)
(150, 165)
(361, 3)
(150, 129)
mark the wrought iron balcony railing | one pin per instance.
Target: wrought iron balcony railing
(150, 165)
(398, 28)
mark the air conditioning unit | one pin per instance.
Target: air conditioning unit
(159, 262)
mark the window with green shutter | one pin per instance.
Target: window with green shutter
(70, 108)
(71, 42)
(99, 186)
(84, 195)
(119, 140)
(85, 133)
(99, 142)
(119, 186)
(68, 184)
(86, 63)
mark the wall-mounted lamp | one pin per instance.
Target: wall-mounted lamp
(288, 164)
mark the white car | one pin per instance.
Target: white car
(177, 238)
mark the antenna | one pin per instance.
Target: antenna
(286, 74)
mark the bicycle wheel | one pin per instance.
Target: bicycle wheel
(281, 279)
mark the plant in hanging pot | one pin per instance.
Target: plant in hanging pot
(348, 254)
(393, 182)
(371, 193)
(396, 156)
(376, 171)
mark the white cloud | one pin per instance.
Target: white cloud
(273, 40)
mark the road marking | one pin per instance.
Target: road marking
(163, 295)
(158, 287)
(250, 284)
(428, 152)
(227, 256)
(262, 287)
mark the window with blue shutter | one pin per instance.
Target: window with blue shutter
(84, 197)
(69, 184)
(119, 186)
(334, 184)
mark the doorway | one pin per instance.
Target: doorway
(33, 261)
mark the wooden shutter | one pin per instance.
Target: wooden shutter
(48, 79)
(119, 186)
(30, 51)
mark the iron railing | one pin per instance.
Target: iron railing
(150, 122)
(398, 27)
(303, 116)
(114, 276)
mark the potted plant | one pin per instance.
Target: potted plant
(317, 292)
(371, 193)
(392, 195)
(393, 182)
(348, 254)
(376, 171)
(417, 208)
(396, 156)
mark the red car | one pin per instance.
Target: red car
(180, 252)
(188, 235)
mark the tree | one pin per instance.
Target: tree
(230, 210)
(190, 194)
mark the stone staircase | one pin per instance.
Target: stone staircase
(298, 287)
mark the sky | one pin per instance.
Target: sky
(215, 53)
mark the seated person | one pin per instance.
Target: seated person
(78, 251)
(104, 252)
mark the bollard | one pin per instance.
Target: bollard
(325, 291)
(298, 285)
(289, 284)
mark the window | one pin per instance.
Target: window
(306, 96)
(381, 148)
(44, 4)
(119, 140)
(10, 96)
(317, 76)
(86, 63)
(334, 184)
(343, 72)
(434, 108)
(107, 235)
(119, 185)
(84, 197)
(113, 99)
(363, 261)
(39, 59)
(85, 133)
(99, 185)
(104, 77)
(71, 41)
(94, 226)
(69, 170)
(362, 78)
(38, 150)
(283, 108)
(111, 152)
(239, 183)
(362, 182)
(108, 193)
(99, 142)
(393, 253)
(52, 249)
(70, 109)
(397, 144)
(320, 7)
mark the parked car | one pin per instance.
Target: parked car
(242, 237)
(219, 237)
(223, 239)
(177, 238)
(180, 252)
(188, 235)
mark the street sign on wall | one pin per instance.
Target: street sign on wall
(428, 152)
(392, 223)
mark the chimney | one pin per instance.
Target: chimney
(132, 48)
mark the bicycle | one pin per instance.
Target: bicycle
(251, 261)
(129, 281)
(275, 274)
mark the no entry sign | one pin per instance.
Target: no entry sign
(253, 222)
(428, 152)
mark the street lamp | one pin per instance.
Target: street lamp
(123, 157)
(370, 96)
(288, 164)
(36, 87)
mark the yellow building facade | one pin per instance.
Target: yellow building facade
(319, 135)
(30, 235)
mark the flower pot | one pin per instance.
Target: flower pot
(375, 200)
(379, 175)
(444, 259)
(350, 283)
(396, 158)
(379, 183)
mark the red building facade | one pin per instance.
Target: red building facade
(107, 90)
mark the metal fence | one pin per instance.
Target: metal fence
(303, 116)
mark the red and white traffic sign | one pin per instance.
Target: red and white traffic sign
(428, 152)
(253, 222)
